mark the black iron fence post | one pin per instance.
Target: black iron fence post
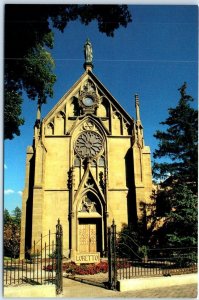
(112, 257)
(59, 255)
(109, 259)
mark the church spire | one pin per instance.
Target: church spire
(88, 54)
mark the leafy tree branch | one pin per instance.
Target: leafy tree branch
(28, 36)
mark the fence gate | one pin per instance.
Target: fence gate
(42, 263)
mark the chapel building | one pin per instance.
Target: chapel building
(87, 166)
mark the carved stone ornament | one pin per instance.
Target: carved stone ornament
(88, 87)
(89, 144)
(88, 101)
(88, 125)
(87, 206)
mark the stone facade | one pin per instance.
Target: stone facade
(87, 166)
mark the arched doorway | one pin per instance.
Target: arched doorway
(90, 224)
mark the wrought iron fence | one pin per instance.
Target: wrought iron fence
(128, 260)
(164, 266)
(42, 264)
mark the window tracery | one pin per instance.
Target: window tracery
(89, 144)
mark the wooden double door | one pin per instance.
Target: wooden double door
(89, 235)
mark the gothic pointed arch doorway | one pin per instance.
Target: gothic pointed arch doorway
(90, 224)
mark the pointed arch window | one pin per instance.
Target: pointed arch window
(50, 129)
(77, 163)
(73, 109)
(103, 109)
(101, 172)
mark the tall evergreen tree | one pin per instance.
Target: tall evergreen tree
(178, 173)
(181, 225)
(6, 216)
(179, 144)
(17, 216)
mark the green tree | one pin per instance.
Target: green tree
(11, 236)
(178, 174)
(179, 145)
(17, 216)
(132, 241)
(6, 217)
(181, 225)
(11, 232)
(28, 35)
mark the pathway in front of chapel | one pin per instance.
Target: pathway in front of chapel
(76, 289)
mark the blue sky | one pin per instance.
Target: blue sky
(153, 57)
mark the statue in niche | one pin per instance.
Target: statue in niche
(87, 206)
(88, 52)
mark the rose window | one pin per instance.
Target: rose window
(88, 144)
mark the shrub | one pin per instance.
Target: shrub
(49, 268)
(83, 269)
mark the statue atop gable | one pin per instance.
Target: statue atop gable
(88, 52)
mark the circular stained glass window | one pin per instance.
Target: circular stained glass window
(88, 144)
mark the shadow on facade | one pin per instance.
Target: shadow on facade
(29, 207)
(130, 183)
